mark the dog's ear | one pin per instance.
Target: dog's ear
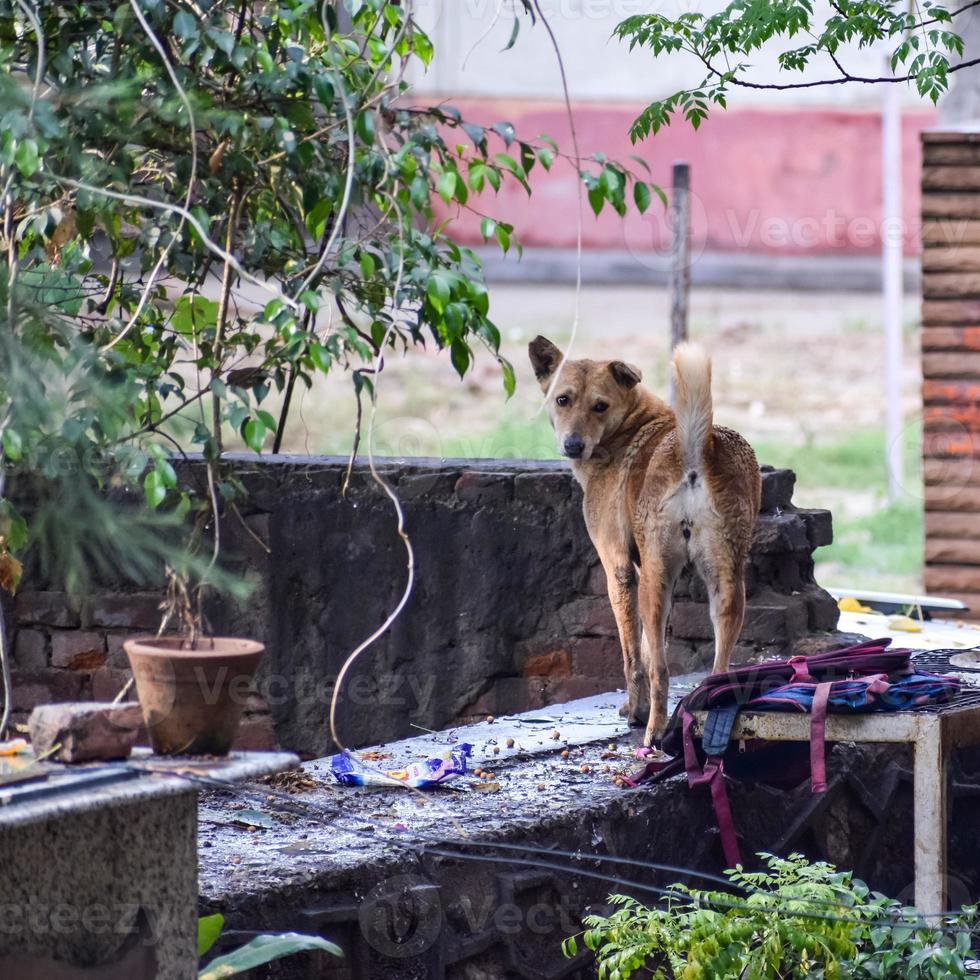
(545, 357)
(625, 374)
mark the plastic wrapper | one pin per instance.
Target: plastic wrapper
(348, 770)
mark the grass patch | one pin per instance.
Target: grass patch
(513, 437)
(857, 462)
(882, 550)
(877, 543)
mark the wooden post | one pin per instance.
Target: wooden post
(680, 273)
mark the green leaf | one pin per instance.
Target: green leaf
(596, 198)
(480, 298)
(477, 175)
(320, 357)
(487, 227)
(324, 90)
(185, 25)
(641, 195)
(367, 265)
(223, 40)
(12, 526)
(192, 314)
(365, 125)
(208, 929)
(26, 157)
(266, 419)
(254, 433)
(316, 224)
(459, 354)
(439, 291)
(153, 489)
(454, 319)
(510, 381)
(13, 445)
(265, 949)
(447, 185)
(509, 163)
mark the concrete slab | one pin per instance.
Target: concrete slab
(99, 869)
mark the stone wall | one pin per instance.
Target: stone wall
(508, 612)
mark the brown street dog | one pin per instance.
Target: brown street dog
(663, 489)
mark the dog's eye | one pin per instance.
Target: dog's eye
(562, 400)
(600, 407)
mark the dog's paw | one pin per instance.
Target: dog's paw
(635, 714)
(653, 740)
(655, 731)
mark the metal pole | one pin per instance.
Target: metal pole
(680, 277)
(891, 243)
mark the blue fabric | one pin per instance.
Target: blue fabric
(857, 695)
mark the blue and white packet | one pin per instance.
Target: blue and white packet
(348, 770)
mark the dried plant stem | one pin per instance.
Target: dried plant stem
(234, 215)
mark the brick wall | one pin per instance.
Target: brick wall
(951, 363)
(509, 610)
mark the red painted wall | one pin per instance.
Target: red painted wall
(794, 182)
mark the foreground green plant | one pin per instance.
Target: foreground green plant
(795, 919)
(261, 950)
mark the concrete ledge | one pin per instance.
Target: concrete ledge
(420, 885)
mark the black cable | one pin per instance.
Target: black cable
(424, 846)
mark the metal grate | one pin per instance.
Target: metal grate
(937, 662)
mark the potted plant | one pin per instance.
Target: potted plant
(191, 686)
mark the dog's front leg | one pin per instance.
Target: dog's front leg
(621, 582)
(655, 596)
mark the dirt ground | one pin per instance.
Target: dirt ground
(787, 366)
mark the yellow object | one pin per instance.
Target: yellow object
(14, 747)
(850, 604)
(905, 624)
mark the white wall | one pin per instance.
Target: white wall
(469, 36)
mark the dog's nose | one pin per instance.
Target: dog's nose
(574, 447)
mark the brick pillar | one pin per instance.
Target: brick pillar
(951, 363)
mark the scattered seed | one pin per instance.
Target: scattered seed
(583, 768)
(541, 786)
(556, 734)
(510, 743)
(496, 750)
(490, 719)
(564, 753)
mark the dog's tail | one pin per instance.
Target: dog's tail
(691, 368)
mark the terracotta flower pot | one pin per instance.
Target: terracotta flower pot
(192, 700)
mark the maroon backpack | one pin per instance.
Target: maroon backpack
(865, 677)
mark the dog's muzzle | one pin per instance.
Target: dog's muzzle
(573, 447)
